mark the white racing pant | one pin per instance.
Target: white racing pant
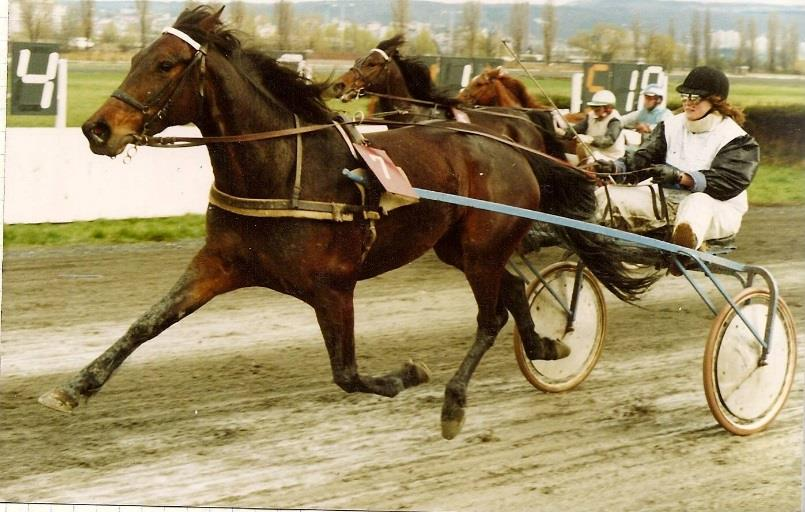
(637, 209)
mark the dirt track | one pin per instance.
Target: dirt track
(235, 406)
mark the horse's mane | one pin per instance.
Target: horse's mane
(415, 73)
(518, 89)
(286, 86)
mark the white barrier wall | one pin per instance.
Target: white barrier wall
(52, 176)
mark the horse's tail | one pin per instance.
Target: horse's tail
(543, 120)
(570, 193)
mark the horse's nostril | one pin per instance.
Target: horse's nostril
(97, 133)
(338, 88)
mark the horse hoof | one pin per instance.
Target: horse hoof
(452, 418)
(543, 352)
(562, 350)
(452, 426)
(415, 373)
(58, 400)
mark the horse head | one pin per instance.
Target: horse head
(484, 89)
(494, 87)
(157, 91)
(374, 72)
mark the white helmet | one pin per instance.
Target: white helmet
(601, 98)
(653, 90)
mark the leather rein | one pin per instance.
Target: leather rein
(293, 207)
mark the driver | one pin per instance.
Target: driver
(599, 134)
(644, 120)
(701, 157)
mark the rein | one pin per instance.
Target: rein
(186, 142)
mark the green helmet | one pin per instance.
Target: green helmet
(705, 81)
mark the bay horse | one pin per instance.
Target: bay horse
(405, 91)
(283, 216)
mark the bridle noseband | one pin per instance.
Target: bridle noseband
(163, 99)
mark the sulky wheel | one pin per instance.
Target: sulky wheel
(585, 337)
(744, 397)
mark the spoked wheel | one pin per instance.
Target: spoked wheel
(744, 397)
(585, 336)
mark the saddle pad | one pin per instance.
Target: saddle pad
(391, 177)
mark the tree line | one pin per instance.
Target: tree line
(284, 30)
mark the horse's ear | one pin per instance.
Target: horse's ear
(212, 22)
(500, 70)
(396, 42)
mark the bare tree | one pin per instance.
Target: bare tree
(241, 17)
(423, 43)
(549, 29)
(489, 43)
(283, 15)
(789, 51)
(740, 52)
(661, 49)
(70, 25)
(604, 42)
(772, 38)
(35, 17)
(400, 15)
(471, 26)
(707, 38)
(751, 59)
(87, 17)
(144, 24)
(695, 39)
(637, 36)
(520, 16)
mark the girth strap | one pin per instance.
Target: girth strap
(317, 210)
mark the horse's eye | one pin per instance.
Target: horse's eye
(165, 66)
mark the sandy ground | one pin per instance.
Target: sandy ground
(235, 406)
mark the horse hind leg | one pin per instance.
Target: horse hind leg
(483, 276)
(206, 277)
(512, 296)
(335, 314)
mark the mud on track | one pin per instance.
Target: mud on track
(235, 405)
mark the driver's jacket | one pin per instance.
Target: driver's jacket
(721, 161)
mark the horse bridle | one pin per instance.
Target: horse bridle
(164, 98)
(366, 83)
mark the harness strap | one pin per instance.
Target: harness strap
(184, 37)
(186, 142)
(297, 184)
(130, 100)
(266, 208)
(669, 228)
(382, 53)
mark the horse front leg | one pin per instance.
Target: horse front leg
(208, 275)
(335, 314)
